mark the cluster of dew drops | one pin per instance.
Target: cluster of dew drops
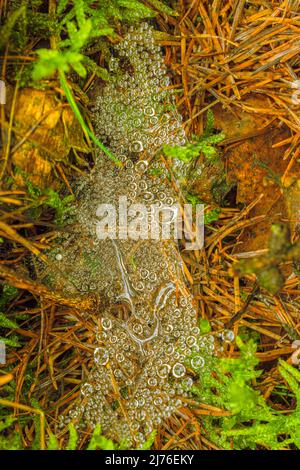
(143, 360)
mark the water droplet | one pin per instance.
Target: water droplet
(168, 328)
(148, 111)
(197, 362)
(228, 336)
(141, 166)
(163, 371)
(137, 328)
(191, 341)
(86, 389)
(141, 401)
(141, 415)
(144, 273)
(195, 331)
(120, 357)
(101, 356)
(106, 323)
(137, 146)
(152, 382)
(187, 382)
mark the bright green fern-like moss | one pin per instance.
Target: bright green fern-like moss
(252, 423)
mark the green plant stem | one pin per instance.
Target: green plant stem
(77, 113)
(54, 38)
